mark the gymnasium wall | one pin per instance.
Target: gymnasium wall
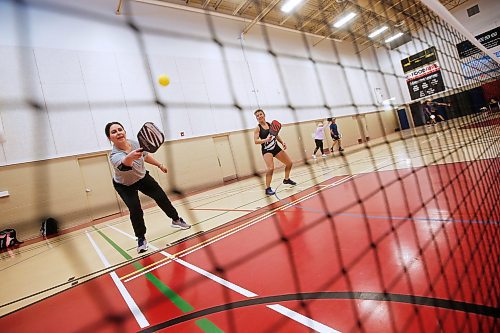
(57, 187)
(68, 68)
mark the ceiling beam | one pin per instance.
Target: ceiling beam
(381, 12)
(313, 16)
(287, 16)
(368, 10)
(379, 9)
(327, 22)
(261, 15)
(217, 4)
(240, 6)
(381, 18)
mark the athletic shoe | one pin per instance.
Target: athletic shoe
(289, 182)
(324, 155)
(180, 223)
(314, 156)
(331, 150)
(341, 149)
(142, 245)
(269, 191)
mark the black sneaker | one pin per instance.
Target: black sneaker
(269, 191)
(341, 149)
(331, 150)
(142, 245)
(289, 181)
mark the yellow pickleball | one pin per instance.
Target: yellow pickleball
(164, 80)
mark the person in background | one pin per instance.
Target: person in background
(493, 104)
(430, 111)
(271, 149)
(334, 132)
(319, 136)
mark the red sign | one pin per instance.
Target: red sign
(421, 72)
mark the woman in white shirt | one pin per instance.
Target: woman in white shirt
(319, 136)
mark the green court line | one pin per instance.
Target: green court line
(205, 324)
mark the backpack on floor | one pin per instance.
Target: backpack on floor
(8, 238)
(49, 227)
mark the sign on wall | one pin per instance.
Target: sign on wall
(423, 74)
(425, 81)
(419, 59)
(489, 39)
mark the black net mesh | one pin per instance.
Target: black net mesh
(396, 233)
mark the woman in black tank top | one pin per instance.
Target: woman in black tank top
(272, 145)
(270, 149)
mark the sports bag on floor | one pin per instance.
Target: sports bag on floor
(8, 238)
(49, 227)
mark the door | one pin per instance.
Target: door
(417, 114)
(403, 119)
(101, 195)
(225, 156)
(362, 128)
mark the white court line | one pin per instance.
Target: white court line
(305, 187)
(139, 316)
(259, 219)
(209, 275)
(237, 229)
(306, 321)
(265, 216)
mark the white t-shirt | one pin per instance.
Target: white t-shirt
(320, 133)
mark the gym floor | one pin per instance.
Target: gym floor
(396, 238)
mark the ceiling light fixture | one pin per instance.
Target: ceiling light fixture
(290, 5)
(396, 36)
(378, 31)
(344, 20)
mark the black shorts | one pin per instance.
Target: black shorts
(335, 137)
(275, 151)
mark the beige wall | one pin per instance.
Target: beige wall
(56, 187)
(381, 123)
(47, 188)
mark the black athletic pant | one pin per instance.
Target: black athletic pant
(319, 145)
(130, 195)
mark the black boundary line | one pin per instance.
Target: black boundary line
(373, 296)
(245, 218)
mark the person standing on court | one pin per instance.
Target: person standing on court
(334, 132)
(430, 111)
(131, 176)
(271, 149)
(319, 136)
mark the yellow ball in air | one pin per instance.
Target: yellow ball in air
(164, 80)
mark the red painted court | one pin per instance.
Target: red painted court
(407, 250)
